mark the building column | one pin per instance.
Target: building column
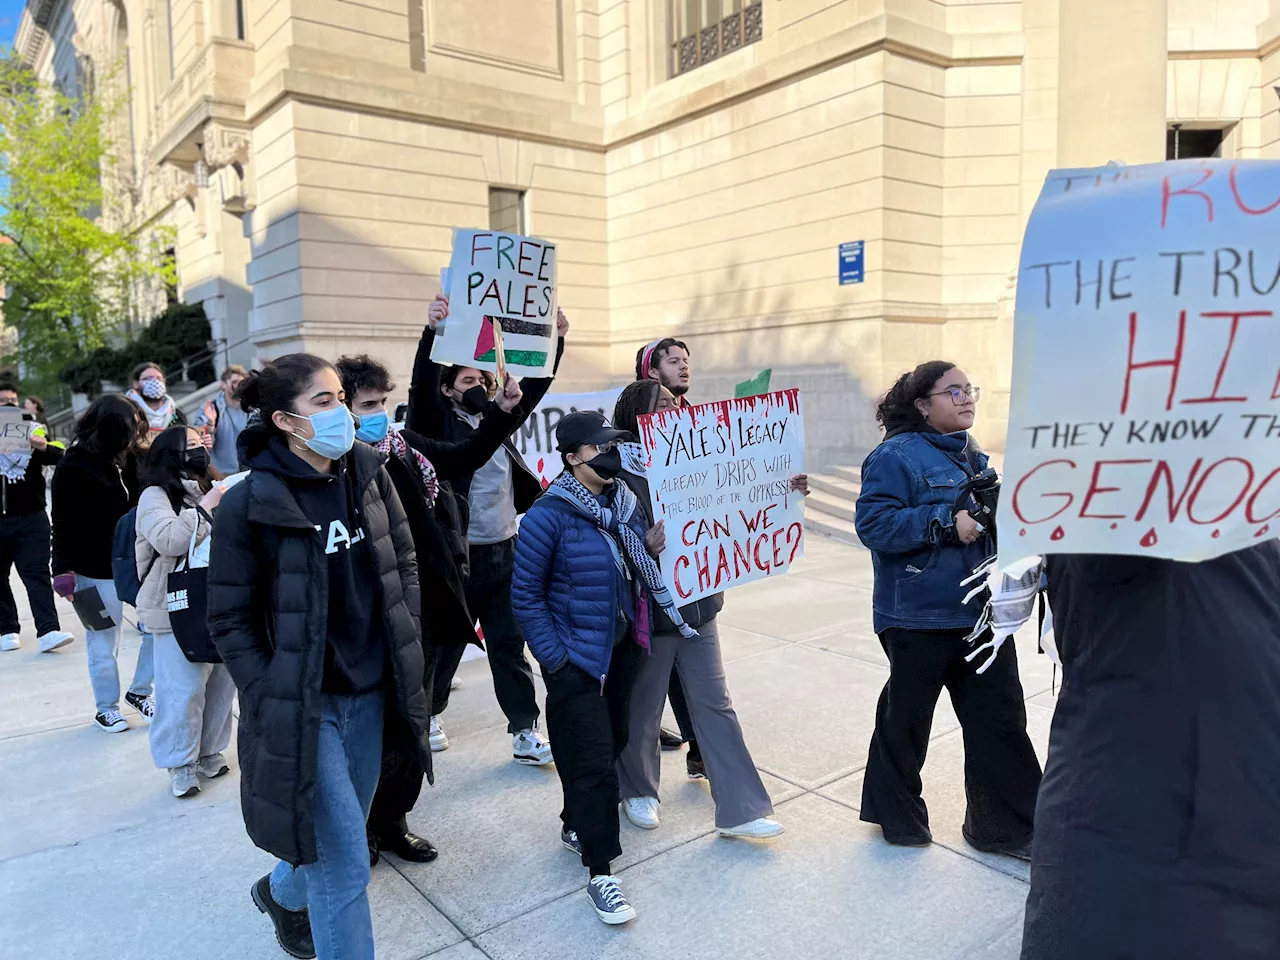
(1112, 70)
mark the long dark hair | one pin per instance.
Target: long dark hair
(638, 398)
(165, 466)
(897, 408)
(278, 385)
(109, 427)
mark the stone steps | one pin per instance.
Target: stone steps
(831, 504)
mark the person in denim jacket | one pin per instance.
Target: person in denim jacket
(922, 546)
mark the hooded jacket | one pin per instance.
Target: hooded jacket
(267, 607)
(90, 495)
(162, 538)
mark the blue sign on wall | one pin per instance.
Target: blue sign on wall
(851, 262)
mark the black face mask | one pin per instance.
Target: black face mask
(8, 403)
(475, 400)
(607, 465)
(196, 461)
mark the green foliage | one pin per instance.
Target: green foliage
(180, 332)
(69, 272)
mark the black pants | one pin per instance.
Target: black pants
(1001, 771)
(588, 728)
(679, 706)
(489, 599)
(24, 543)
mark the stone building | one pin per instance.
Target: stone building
(699, 162)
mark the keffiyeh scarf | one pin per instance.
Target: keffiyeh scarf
(634, 458)
(622, 540)
(160, 419)
(393, 444)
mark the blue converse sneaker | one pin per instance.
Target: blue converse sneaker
(570, 841)
(610, 902)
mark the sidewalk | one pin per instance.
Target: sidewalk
(97, 859)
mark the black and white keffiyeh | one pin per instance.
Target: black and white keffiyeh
(622, 540)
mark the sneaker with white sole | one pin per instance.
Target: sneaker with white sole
(529, 747)
(760, 829)
(455, 683)
(439, 740)
(571, 842)
(184, 781)
(54, 640)
(111, 721)
(642, 811)
(609, 900)
(213, 766)
(146, 706)
(10, 641)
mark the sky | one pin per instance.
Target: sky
(10, 13)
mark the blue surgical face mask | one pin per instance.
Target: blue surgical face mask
(335, 432)
(373, 426)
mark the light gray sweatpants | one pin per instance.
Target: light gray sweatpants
(193, 706)
(739, 794)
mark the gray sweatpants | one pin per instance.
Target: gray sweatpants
(739, 794)
(193, 707)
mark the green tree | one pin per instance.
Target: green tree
(73, 259)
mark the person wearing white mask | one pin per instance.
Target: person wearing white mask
(313, 605)
(151, 394)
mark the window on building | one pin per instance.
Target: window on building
(168, 22)
(703, 30)
(506, 210)
(239, 19)
(1183, 144)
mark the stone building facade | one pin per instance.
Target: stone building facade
(699, 162)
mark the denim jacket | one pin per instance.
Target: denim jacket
(905, 518)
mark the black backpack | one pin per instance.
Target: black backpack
(124, 565)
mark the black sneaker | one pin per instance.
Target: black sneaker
(571, 842)
(146, 706)
(293, 928)
(696, 769)
(668, 740)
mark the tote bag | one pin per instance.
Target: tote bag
(187, 600)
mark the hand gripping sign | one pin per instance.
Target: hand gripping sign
(720, 476)
(502, 291)
(1145, 412)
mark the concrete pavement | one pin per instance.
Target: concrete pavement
(97, 859)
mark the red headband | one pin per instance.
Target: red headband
(647, 357)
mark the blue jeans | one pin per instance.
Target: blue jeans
(334, 888)
(103, 645)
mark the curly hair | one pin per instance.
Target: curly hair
(898, 406)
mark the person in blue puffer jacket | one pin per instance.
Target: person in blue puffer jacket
(581, 592)
(923, 544)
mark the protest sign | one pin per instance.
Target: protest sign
(536, 438)
(1145, 409)
(720, 476)
(14, 432)
(504, 279)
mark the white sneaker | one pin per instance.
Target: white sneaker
(642, 811)
(53, 640)
(761, 829)
(10, 641)
(609, 901)
(439, 741)
(111, 721)
(529, 747)
(212, 766)
(184, 781)
(455, 683)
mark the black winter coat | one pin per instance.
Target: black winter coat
(267, 602)
(90, 496)
(24, 496)
(1156, 828)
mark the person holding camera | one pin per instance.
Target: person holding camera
(915, 516)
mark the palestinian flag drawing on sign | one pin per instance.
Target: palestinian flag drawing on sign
(525, 342)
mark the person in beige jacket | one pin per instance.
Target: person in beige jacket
(192, 722)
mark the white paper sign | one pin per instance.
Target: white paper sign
(720, 475)
(501, 278)
(15, 432)
(536, 438)
(1145, 412)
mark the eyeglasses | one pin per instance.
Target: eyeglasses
(606, 447)
(961, 395)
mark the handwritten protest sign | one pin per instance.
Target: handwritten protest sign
(720, 475)
(536, 438)
(14, 432)
(504, 279)
(1145, 412)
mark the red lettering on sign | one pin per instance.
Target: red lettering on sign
(1244, 490)
(1175, 361)
(1226, 357)
(1167, 193)
(1017, 493)
(1094, 490)
(1244, 207)
(1253, 500)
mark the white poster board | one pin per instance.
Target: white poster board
(501, 278)
(720, 476)
(15, 433)
(1145, 412)
(536, 438)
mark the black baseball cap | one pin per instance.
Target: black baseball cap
(583, 427)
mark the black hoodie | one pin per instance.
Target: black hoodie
(355, 656)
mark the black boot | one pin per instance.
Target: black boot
(668, 740)
(293, 927)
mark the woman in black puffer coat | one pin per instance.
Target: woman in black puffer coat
(313, 604)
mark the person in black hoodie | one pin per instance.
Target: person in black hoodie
(93, 487)
(313, 605)
(24, 537)
(449, 404)
(422, 470)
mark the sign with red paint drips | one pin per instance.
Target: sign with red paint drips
(536, 438)
(720, 476)
(1145, 405)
